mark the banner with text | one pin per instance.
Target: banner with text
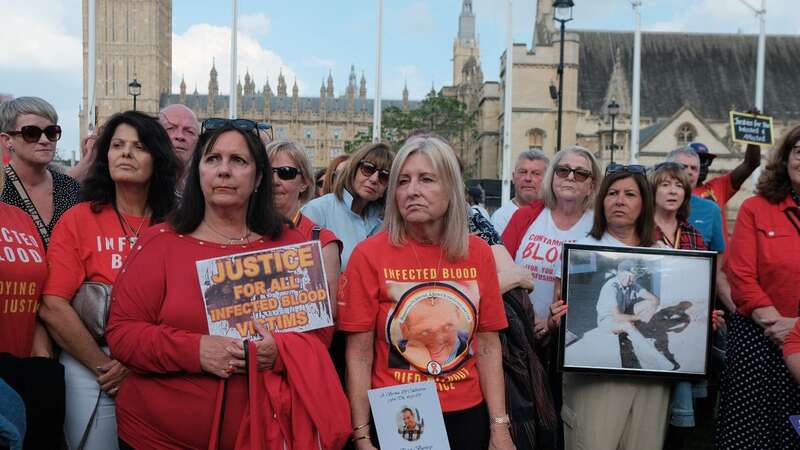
(284, 288)
(751, 129)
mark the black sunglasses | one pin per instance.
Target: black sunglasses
(579, 174)
(368, 169)
(216, 123)
(32, 133)
(286, 172)
(635, 169)
(674, 165)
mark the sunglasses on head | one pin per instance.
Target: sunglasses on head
(635, 169)
(216, 123)
(32, 133)
(673, 165)
(368, 169)
(286, 172)
(578, 174)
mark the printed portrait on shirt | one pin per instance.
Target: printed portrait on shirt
(432, 325)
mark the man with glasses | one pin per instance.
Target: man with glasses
(528, 175)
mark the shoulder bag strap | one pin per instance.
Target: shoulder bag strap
(315, 231)
(30, 208)
(790, 213)
(88, 430)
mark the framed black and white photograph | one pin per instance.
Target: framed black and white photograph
(637, 311)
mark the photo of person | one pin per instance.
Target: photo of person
(431, 326)
(410, 424)
(645, 312)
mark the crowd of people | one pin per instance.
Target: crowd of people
(104, 339)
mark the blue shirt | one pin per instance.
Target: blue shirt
(706, 216)
(337, 215)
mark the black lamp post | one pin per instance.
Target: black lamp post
(613, 110)
(563, 14)
(134, 89)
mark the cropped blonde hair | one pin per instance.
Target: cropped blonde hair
(455, 240)
(295, 151)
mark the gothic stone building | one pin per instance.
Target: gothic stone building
(134, 40)
(690, 81)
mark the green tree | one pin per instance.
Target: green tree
(445, 116)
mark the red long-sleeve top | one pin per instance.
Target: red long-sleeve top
(763, 263)
(156, 322)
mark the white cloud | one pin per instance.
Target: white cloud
(193, 51)
(35, 36)
(320, 62)
(729, 16)
(255, 24)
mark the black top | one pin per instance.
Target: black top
(482, 227)
(66, 194)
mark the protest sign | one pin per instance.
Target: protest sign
(750, 128)
(409, 417)
(284, 288)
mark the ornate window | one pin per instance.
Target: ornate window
(686, 134)
(535, 138)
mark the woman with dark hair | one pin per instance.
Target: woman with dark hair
(130, 186)
(757, 394)
(602, 411)
(672, 194)
(185, 390)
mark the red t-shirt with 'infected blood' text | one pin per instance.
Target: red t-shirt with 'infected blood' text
(23, 270)
(424, 311)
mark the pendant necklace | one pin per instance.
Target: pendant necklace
(433, 367)
(131, 234)
(232, 240)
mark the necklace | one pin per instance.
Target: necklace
(231, 240)
(433, 367)
(131, 234)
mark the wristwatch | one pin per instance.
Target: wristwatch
(502, 420)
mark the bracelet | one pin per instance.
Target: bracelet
(360, 427)
(366, 436)
(502, 420)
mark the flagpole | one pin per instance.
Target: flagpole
(637, 71)
(91, 110)
(376, 105)
(232, 97)
(505, 192)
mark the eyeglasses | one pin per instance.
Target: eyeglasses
(674, 165)
(635, 169)
(216, 123)
(368, 169)
(286, 172)
(32, 133)
(578, 174)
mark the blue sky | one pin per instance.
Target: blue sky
(41, 51)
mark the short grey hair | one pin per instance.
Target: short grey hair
(12, 109)
(533, 154)
(547, 193)
(297, 152)
(685, 151)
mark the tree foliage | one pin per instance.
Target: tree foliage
(443, 115)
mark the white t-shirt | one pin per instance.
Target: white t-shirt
(540, 251)
(502, 216)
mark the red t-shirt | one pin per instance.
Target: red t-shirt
(720, 190)
(157, 320)
(425, 311)
(23, 269)
(87, 246)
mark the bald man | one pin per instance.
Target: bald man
(181, 125)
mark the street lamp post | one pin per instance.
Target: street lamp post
(563, 14)
(613, 110)
(134, 89)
